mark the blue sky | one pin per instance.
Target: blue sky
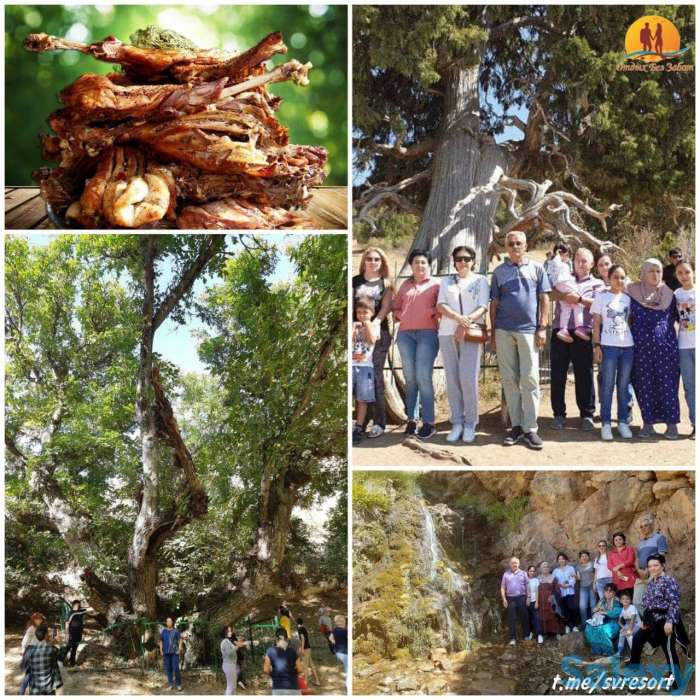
(176, 343)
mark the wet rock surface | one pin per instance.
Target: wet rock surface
(489, 669)
(427, 612)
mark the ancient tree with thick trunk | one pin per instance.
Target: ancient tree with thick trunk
(156, 424)
(286, 470)
(465, 161)
(433, 97)
(61, 365)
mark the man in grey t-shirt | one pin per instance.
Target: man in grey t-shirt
(651, 543)
(519, 315)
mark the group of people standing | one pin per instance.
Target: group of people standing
(287, 666)
(40, 657)
(641, 334)
(622, 598)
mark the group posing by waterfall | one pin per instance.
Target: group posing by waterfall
(621, 599)
(641, 334)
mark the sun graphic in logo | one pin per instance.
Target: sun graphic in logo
(652, 38)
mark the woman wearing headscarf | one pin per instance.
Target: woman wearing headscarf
(373, 282)
(656, 369)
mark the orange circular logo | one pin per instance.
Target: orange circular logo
(652, 38)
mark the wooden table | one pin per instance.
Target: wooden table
(24, 208)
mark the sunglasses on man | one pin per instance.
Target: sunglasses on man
(463, 258)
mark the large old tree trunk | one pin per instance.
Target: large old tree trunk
(142, 565)
(156, 521)
(284, 474)
(156, 421)
(464, 159)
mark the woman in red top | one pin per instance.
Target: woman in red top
(415, 308)
(622, 563)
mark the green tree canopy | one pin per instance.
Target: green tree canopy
(269, 411)
(605, 135)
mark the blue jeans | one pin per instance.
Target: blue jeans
(171, 664)
(533, 616)
(343, 658)
(418, 351)
(26, 680)
(687, 356)
(616, 370)
(585, 603)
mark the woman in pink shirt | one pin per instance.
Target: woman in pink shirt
(622, 563)
(415, 309)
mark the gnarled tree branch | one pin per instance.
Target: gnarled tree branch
(383, 193)
(211, 247)
(551, 212)
(401, 152)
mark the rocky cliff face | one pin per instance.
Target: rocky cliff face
(571, 511)
(428, 556)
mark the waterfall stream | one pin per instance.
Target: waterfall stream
(450, 587)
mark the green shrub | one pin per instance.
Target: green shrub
(366, 500)
(508, 514)
(391, 226)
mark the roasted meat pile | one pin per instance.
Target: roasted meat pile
(179, 137)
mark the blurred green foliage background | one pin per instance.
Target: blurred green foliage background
(315, 115)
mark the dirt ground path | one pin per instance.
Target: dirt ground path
(82, 680)
(562, 448)
(132, 681)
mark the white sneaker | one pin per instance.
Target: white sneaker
(606, 432)
(469, 434)
(529, 637)
(576, 629)
(540, 639)
(455, 433)
(624, 431)
(567, 629)
(512, 642)
(376, 431)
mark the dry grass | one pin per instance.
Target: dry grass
(640, 243)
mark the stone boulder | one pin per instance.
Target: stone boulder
(611, 508)
(407, 683)
(668, 487)
(538, 538)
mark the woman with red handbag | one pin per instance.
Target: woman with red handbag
(462, 302)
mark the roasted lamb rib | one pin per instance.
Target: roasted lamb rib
(182, 137)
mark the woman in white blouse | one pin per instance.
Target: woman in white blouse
(463, 301)
(603, 575)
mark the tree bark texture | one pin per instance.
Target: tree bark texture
(142, 572)
(283, 475)
(464, 159)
